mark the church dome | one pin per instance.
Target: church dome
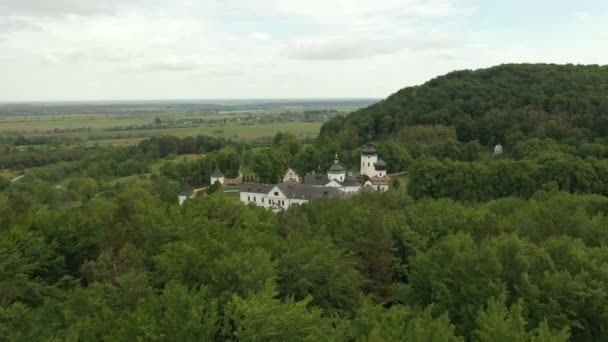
(336, 167)
(369, 149)
(380, 165)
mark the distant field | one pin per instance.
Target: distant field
(43, 123)
(128, 122)
(32, 124)
(92, 128)
(238, 132)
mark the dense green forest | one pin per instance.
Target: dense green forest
(469, 246)
(499, 104)
(127, 266)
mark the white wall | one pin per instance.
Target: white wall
(336, 176)
(217, 179)
(252, 198)
(268, 199)
(367, 165)
(334, 184)
(291, 175)
(182, 199)
(297, 201)
(380, 187)
(351, 189)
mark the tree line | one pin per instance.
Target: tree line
(154, 148)
(483, 181)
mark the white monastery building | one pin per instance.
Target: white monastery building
(291, 175)
(217, 176)
(335, 183)
(186, 193)
(498, 149)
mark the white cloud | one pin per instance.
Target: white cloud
(262, 48)
(259, 36)
(353, 10)
(582, 15)
(356, 47)
(56, 7)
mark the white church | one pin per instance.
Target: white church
(335, 183)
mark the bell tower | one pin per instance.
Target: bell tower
(369, 157)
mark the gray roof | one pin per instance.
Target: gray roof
(380, 165)
(256, 187)
(217, 172)
(368, 188)
(186, 190)
(350, 180)
(317, 179)
(293, 190)
(369, 149)
(336, 167)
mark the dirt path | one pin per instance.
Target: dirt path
(17, 178)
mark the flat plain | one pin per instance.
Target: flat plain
(130, 123)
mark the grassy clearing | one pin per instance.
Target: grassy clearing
(403, 181)
(234, 196)
(8, 174)
(155, 167)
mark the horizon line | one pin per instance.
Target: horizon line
(202, 100)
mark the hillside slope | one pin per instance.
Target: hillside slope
(534, 100)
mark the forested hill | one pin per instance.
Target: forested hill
(536, 100)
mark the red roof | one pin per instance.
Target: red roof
(233, 181)
(383, 179)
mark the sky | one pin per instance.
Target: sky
(77, 50)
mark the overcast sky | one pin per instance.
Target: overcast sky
(210, 49)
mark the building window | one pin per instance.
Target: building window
(276, 193)
(248, 199)
(367, 164)
(262, 199)
(254, 198)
